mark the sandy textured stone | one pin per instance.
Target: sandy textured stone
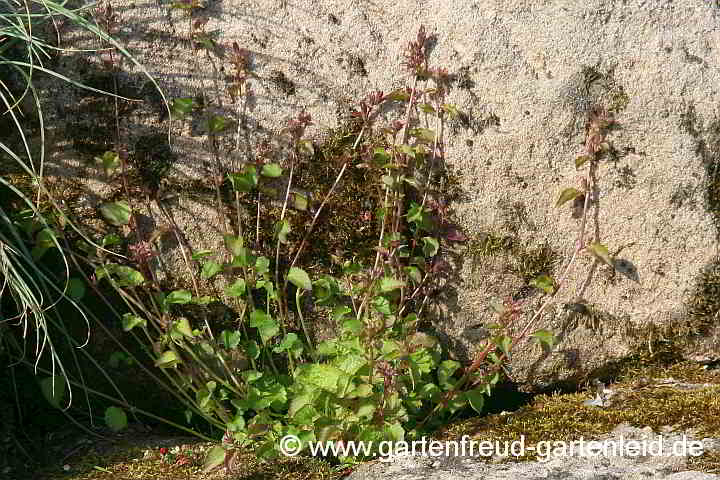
(587, 462)
(526, 82)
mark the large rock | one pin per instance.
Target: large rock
(581, 461)
(528, 73)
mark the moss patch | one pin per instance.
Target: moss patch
(136, 457)
(641, 399)
(602, 88)
(523, 260)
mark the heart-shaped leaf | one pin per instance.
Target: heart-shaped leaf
(600, 251)
(179, 296)
(115, 419)
(543, 282)
(567, 195)
(117, 213)
(130, 321)
(272, 170)
(299, 278)
(237, 289)
(545, 337)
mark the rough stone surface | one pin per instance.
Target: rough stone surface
(571, 467)
(528, 73)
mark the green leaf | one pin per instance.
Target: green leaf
(182, 327)
(210, 269)
(388, 284)
(399, 95)
(234, 244)
(167, 359)
(217, 123)
(457, 402)
(300, 201)
(388, 180)
(237, 423)
(117, 358)
(262, 265)
(306, 415)
(76, 288)
(214, 458)
(179, 296)
(180, 107)
(382, 305)
(291, 344)
(230, 339)
(503, 342)
(201, 254)
(54, 395)
(110, 162)
(251, 375)
(423, 134)
(130, 321)
(244, 182)
(115, 419)
(381, 155)
(46, 238)
(350, 363)
(543, 282)
(396, 432)
(567, 195)
(266, 325)
(272, 170)
(117, 213)
(407, 150)
(243, 258)
(445, 372)
(299, 278)
(451, 110)
(339, 312)
(426, 107)
(204, 300)
(430, 246)
(128, 277)
(414, 274)
(282, 228)
(252, 349)
(476, 398)
(326, 377)
(353, 326)
(581, 160)
(544, 337)
(415, 213)
(601, 252)
(237, 289)
(110, 240)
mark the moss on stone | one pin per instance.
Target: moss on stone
(641, 399)
(525, 261)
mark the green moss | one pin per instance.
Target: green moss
(638, 401)
(523, 260)
(138, 457)
(704, 304)
(602, 88)
(347, 228)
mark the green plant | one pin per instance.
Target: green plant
(265, 375)
(268, 377)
